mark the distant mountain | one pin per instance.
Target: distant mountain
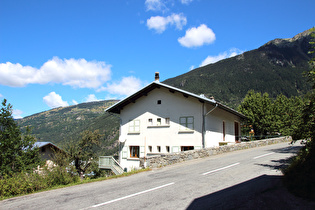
(61, 124)
(275, 68)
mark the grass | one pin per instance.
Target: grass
(85, 181)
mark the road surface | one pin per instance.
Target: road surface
(218, 182)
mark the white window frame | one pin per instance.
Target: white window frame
(134, 126)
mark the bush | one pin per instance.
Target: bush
(25, 183)
(300, 175)
(60, 176)
(21, 183)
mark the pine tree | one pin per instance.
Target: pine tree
(17, 152)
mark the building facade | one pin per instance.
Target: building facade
(163, 119)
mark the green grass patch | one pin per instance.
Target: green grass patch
(24, 184)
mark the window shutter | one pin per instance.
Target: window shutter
(197, 147)
(175, 149)
(125, 152)
(142, 151)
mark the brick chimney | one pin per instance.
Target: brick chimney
(157, 76)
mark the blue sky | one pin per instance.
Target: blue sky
(63, 52)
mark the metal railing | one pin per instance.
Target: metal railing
(109, 162)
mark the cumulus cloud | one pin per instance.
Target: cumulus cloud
(54, 100)
(227, 54)
(159, 23)
(17, 114)
(126, 86)
(91, 98)
(155, 5)
(77, 73)
(196, 37)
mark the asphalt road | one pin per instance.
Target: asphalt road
(218, 182)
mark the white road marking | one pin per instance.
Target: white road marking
(263, 155)
(132, 195)
(219, 169)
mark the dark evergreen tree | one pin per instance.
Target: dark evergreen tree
(17, 152)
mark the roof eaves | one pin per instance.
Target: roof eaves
(201, 98)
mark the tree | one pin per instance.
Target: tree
(286, 114)
(258, 110)
(82, 153)
(300, 175)
(17, 152)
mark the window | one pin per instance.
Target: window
(150, 121)
(159, 102)
(167, 121)
(150, 148)
(185, 148)
(134, 126)
(159, 148)
(134, 151)
(167, 148)
(186, 123)
(158, 121)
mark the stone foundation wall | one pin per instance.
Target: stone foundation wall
(168, 159)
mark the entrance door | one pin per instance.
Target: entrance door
(237, 131)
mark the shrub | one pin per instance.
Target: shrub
(21, 183)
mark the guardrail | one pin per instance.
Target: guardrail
(109, 162)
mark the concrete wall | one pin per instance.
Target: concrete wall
(168, 159)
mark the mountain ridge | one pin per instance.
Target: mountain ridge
(276, 68)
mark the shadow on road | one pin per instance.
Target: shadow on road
(263, 192)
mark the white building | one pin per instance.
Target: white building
(163, 119)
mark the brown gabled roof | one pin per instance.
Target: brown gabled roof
(145, 90)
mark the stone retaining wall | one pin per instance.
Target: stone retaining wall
(168, 159)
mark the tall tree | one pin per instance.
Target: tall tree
(17, 152)
(258, 110)
(286, 114)
(82, 153)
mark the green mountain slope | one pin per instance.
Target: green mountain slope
(275, 67)
(64, 123)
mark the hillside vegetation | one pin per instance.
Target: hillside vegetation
(276, 68)
(62, 124)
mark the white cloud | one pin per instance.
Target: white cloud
(160, 23)
(74, 102)
(54, 100)
(91, 98)
(75, 73)
(126, 86)
(17, 114)
(213, 59)
(186, 1)
(155, 5)
(1, 95)
(196, 37)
